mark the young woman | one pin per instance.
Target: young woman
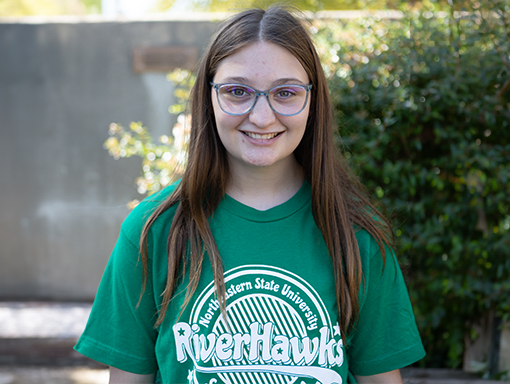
(266, 263)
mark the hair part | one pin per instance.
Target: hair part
(339, 201)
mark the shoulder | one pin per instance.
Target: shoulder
(135, 221)
(367, 244)
(375, 260)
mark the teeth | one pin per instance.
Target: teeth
(257, 136)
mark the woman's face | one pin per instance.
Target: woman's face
(261, 137)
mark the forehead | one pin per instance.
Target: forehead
(262, 65)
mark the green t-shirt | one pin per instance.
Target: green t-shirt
(281, 305)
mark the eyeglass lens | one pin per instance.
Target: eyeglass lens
(239, 99)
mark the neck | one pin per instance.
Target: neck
(263, 188)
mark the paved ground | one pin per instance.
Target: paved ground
(443, 376)
(52, 375)
(41, 333)
(36, 341)
(43, 320)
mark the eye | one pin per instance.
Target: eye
(237, 91)
(285, 92)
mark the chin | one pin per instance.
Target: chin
(261, 163)
(260, 160)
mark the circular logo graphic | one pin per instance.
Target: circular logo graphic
(277, 331)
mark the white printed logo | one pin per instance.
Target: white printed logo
(279, 331)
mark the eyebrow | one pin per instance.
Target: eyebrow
(244, 80)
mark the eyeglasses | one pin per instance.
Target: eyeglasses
(239, 99)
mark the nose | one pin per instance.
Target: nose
(262, 115)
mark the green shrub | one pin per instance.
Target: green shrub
(423, 106)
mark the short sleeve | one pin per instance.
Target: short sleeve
(386, 337)
(119, 332)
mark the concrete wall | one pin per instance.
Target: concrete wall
(62, 197)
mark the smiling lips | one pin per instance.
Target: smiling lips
(267, 136)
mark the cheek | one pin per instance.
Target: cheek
(216, 107)
(226, 126)
(219, 116)
(305, 118)
(298, 124)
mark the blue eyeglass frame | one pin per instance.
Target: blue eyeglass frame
(265, 93)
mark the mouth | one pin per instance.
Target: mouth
(267, 136)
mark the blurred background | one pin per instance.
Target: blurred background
(421, 92)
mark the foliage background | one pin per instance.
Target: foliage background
(423, 109)
(423, 106)
(309, 5)
(48, 7)
(81, 7)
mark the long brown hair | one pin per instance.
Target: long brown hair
(339, 203)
